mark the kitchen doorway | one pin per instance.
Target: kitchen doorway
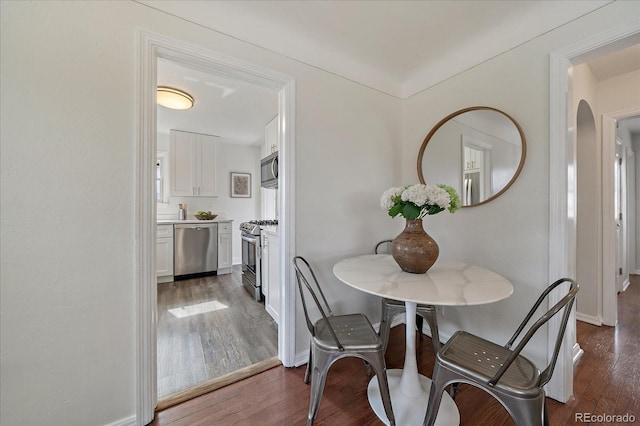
(154, 47)
(209, 329)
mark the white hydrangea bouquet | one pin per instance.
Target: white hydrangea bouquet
(418, 200)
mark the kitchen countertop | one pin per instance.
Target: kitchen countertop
(270, 229)
(189, 221)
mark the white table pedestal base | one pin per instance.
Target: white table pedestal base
(408, 410)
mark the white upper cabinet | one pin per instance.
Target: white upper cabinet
(270, 137)
(193, 159)
(206, 160)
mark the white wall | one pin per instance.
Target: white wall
(619, 93)
(509, 234)
(69, 133)
(243, 159)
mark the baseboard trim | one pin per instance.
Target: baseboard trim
(127, 421)
(589, 319)
(301, 359)
(625, 284)
(222, 381)
(577, 353)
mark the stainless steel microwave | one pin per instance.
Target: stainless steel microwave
(269, 171)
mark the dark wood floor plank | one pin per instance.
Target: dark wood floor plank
(606, 380)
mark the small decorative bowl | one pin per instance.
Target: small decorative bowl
(205, 216)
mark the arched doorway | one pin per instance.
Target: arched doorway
(588, 263)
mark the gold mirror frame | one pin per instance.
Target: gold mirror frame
(442, 122)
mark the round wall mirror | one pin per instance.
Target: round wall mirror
(479, 151)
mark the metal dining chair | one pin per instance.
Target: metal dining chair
(334, 337)
(391, 308)
(501, 371)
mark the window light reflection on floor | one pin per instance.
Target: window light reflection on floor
(200, 308)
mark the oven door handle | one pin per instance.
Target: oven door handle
(249, 240)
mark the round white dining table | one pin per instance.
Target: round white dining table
(446, 283)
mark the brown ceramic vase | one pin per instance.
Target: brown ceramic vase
(414, 250)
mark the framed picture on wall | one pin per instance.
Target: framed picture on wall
(240, 185)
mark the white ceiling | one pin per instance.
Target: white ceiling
(232, 109)
(396, 47)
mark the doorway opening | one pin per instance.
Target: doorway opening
(626, 199)
(588, 264)
(154, 47)
(209, 330)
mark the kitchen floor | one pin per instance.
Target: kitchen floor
(209, 327)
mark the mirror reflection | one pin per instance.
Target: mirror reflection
(479, 151)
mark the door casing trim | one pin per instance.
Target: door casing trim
(151, 47)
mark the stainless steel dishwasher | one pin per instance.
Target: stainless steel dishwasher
(195, 248)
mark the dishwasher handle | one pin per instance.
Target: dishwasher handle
(195, 226)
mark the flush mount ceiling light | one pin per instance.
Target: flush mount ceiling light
(174, 98)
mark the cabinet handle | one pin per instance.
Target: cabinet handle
(194, 191)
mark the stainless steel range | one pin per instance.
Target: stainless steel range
(252, 256)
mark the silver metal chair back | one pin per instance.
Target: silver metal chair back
(303, 269)
(383, 247)
(334, 337)
(501, 371)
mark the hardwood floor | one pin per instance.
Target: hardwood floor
(607, 381)
(209, 327)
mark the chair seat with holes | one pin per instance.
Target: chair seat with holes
(472, 354)
(502, 371)
(354, 331)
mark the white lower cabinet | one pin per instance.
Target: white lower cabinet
(271, 274)
(164, 253)
(225, 248)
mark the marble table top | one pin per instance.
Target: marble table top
(447, 283)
